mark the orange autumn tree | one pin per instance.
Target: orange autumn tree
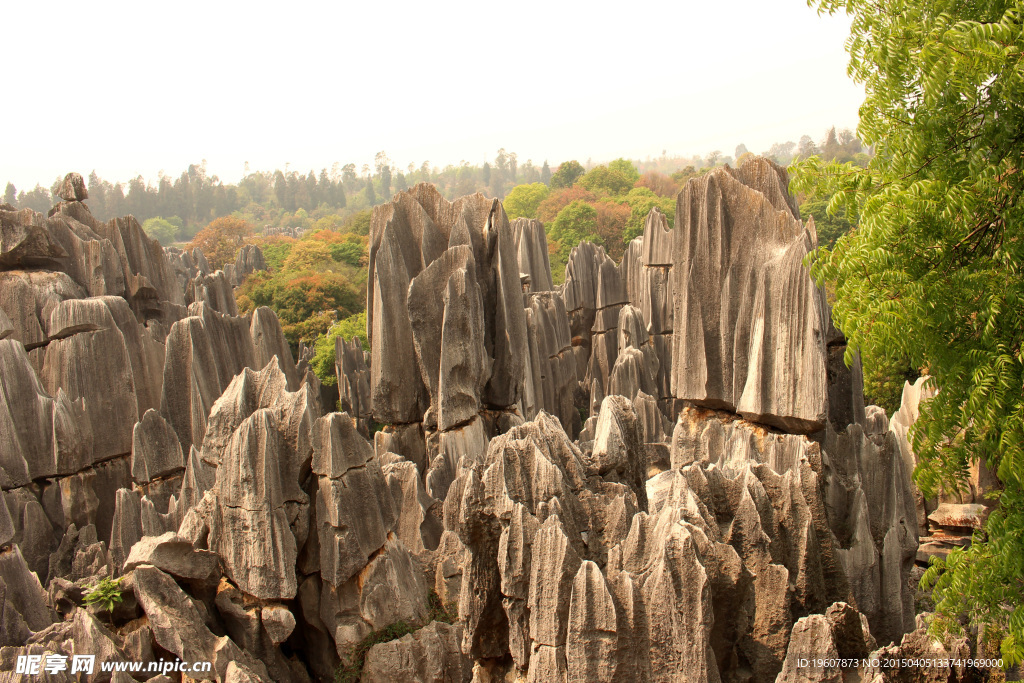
(221, 239)
(559, 199)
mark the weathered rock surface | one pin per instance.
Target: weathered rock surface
(354, 508)
(173, 555)
(249, 260)
(23, 608)
(156, 451)
(748, 321)
(532, 253)
(269, 343)
(214, 290)
(911, 656)
(179, 627)
(204, 353)
(353, 373)
(430, 655)
(552, 380)
(40, 436)
(474, 334)
(72, 188)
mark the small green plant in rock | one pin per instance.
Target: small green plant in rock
(437, 610)
(106, 594)
(351, 672)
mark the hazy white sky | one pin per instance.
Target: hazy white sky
(130, 88)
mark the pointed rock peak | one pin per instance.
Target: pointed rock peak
(72, 188)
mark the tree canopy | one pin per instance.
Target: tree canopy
(164, 230)
(932, 271)
(524, 200)
(221, 239)
(567, 173)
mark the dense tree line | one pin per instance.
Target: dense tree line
(286, 197)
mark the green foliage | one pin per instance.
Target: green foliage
(626, 169)
(567, 174)
(329, 222)
(350, 252)
(617, 178)
(323, 348)
(164, 230)
(573, 224)
(932, 272)
(359, 222)
(884, 378)
(523, 200)
(312, 255)
(306, 302)
(641, 200)
(830, 226)
(106, 594)
(276, 250)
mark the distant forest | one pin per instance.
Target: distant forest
(291, 199)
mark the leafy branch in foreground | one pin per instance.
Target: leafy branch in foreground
(932, 272)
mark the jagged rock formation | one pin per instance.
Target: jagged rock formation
(430, 654)
(552, 381)
(949, 519)
(749, 329)
(532, 254)
(593, 293)
(249, 260)
(661, 470)
(125, 414)
(352, 369)
(646, 269)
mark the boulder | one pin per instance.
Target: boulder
(173, 555)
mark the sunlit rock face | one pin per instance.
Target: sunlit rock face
(749, 323)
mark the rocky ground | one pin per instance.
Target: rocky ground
(660, 471)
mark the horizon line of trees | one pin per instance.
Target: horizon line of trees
(288, 198)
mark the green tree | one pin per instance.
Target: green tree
(323, 347)
(10, 194)
(830, 226)
(523, 200)
(576, 223)
(371, 196)
(567, 174)
(641, 200)
(359, 222)
(161, 229)
(933, 271)
(617, 178)
(545, 173)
